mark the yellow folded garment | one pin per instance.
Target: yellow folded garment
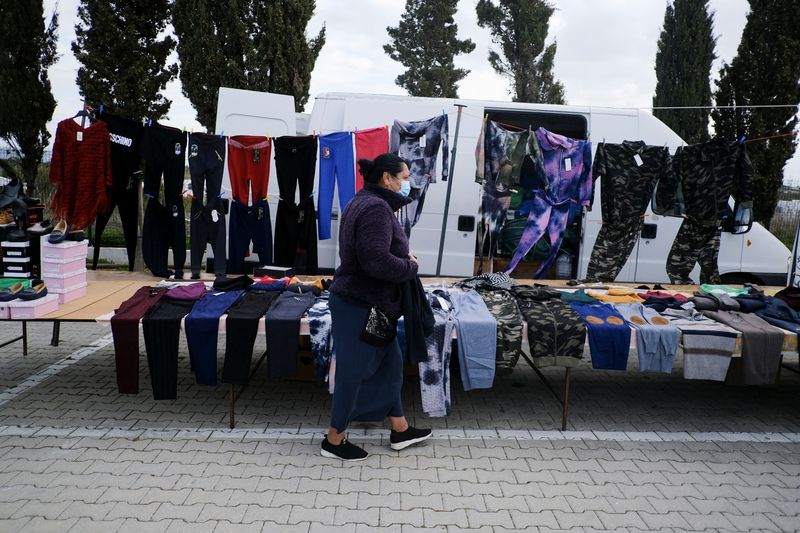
(616, 296)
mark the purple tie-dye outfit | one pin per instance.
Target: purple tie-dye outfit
(566, 178)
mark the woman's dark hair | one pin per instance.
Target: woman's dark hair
(372, 169)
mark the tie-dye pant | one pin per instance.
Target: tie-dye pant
(544, 217)
(434, 374)
(319, 329)
(493, 210)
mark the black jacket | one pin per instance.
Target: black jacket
(418, 319)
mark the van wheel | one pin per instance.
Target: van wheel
(739, 278)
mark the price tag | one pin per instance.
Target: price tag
(422, 141)
(214, 215)
(567, 164)
(638, 159)
(443, 303)
(79, 136)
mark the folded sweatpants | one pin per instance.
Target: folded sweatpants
(656, 339)
(282, 324)
(609, 335)
(477, 339)
(761, 350)
(162, 327)
(241, 327)
(201, 327)
(125, 328)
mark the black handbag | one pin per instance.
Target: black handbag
(379, 328)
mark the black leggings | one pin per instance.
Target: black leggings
(126, 136)
(164, 153)
(296, 224)
(161, 327)
(283, 328)
(206, 163)
(241, 327)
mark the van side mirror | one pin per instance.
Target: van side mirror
(740, 222)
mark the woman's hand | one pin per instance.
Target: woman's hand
(413, 258)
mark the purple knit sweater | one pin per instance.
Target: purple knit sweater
(373, 250)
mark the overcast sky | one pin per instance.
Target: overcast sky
(606, 52)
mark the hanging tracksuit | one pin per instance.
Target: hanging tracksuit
(125, 328)
(628, 173)
(707, 175)
(241, 326)
(656, 339)
(201, 326)
(295, 224)
(282, 325)
(207, 222)
(370, 144)
(477, 333)
(565, 177)
(336, 166)
(163, 151)
(417, 143)
(248, 167)
(609, 335)
(500, 156)
(126, 136)
(556, 335)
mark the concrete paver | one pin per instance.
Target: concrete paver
(644, 452)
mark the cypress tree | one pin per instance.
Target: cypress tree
(123, 61)
(425, 42)
(244, 44)
(520, 28)
(27, 50)
(765, 71)
(683, 67)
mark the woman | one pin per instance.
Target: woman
(375, 261)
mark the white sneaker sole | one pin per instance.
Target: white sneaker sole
(406, 443)
(326, 453)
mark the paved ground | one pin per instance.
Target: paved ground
(643, 452)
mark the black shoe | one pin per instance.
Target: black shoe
(400, 440)
(16, 235)
(77, 236)
(195, 276)
(346, 451)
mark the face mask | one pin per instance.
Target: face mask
(405, 188)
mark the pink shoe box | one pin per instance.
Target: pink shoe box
(65, 281)
(5, 311)
(64, 249)
(68, 295)
(63, 266)
(29, 309)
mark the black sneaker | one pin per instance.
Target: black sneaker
(346, 451)
(400, 440)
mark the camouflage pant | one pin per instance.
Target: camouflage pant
(696, 242)
(613, 246)
(503, 307)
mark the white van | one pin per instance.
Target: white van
(754, 255)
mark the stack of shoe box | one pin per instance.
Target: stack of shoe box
(64, 269)
(17, 261)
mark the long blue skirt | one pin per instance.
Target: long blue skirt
(368, 378)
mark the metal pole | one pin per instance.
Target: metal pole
(449, 189)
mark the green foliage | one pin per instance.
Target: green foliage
(425, 42)
(520, 28)
(124, 63)
(765, 71)
(27, 50)
(258, 45)
(683, 68)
